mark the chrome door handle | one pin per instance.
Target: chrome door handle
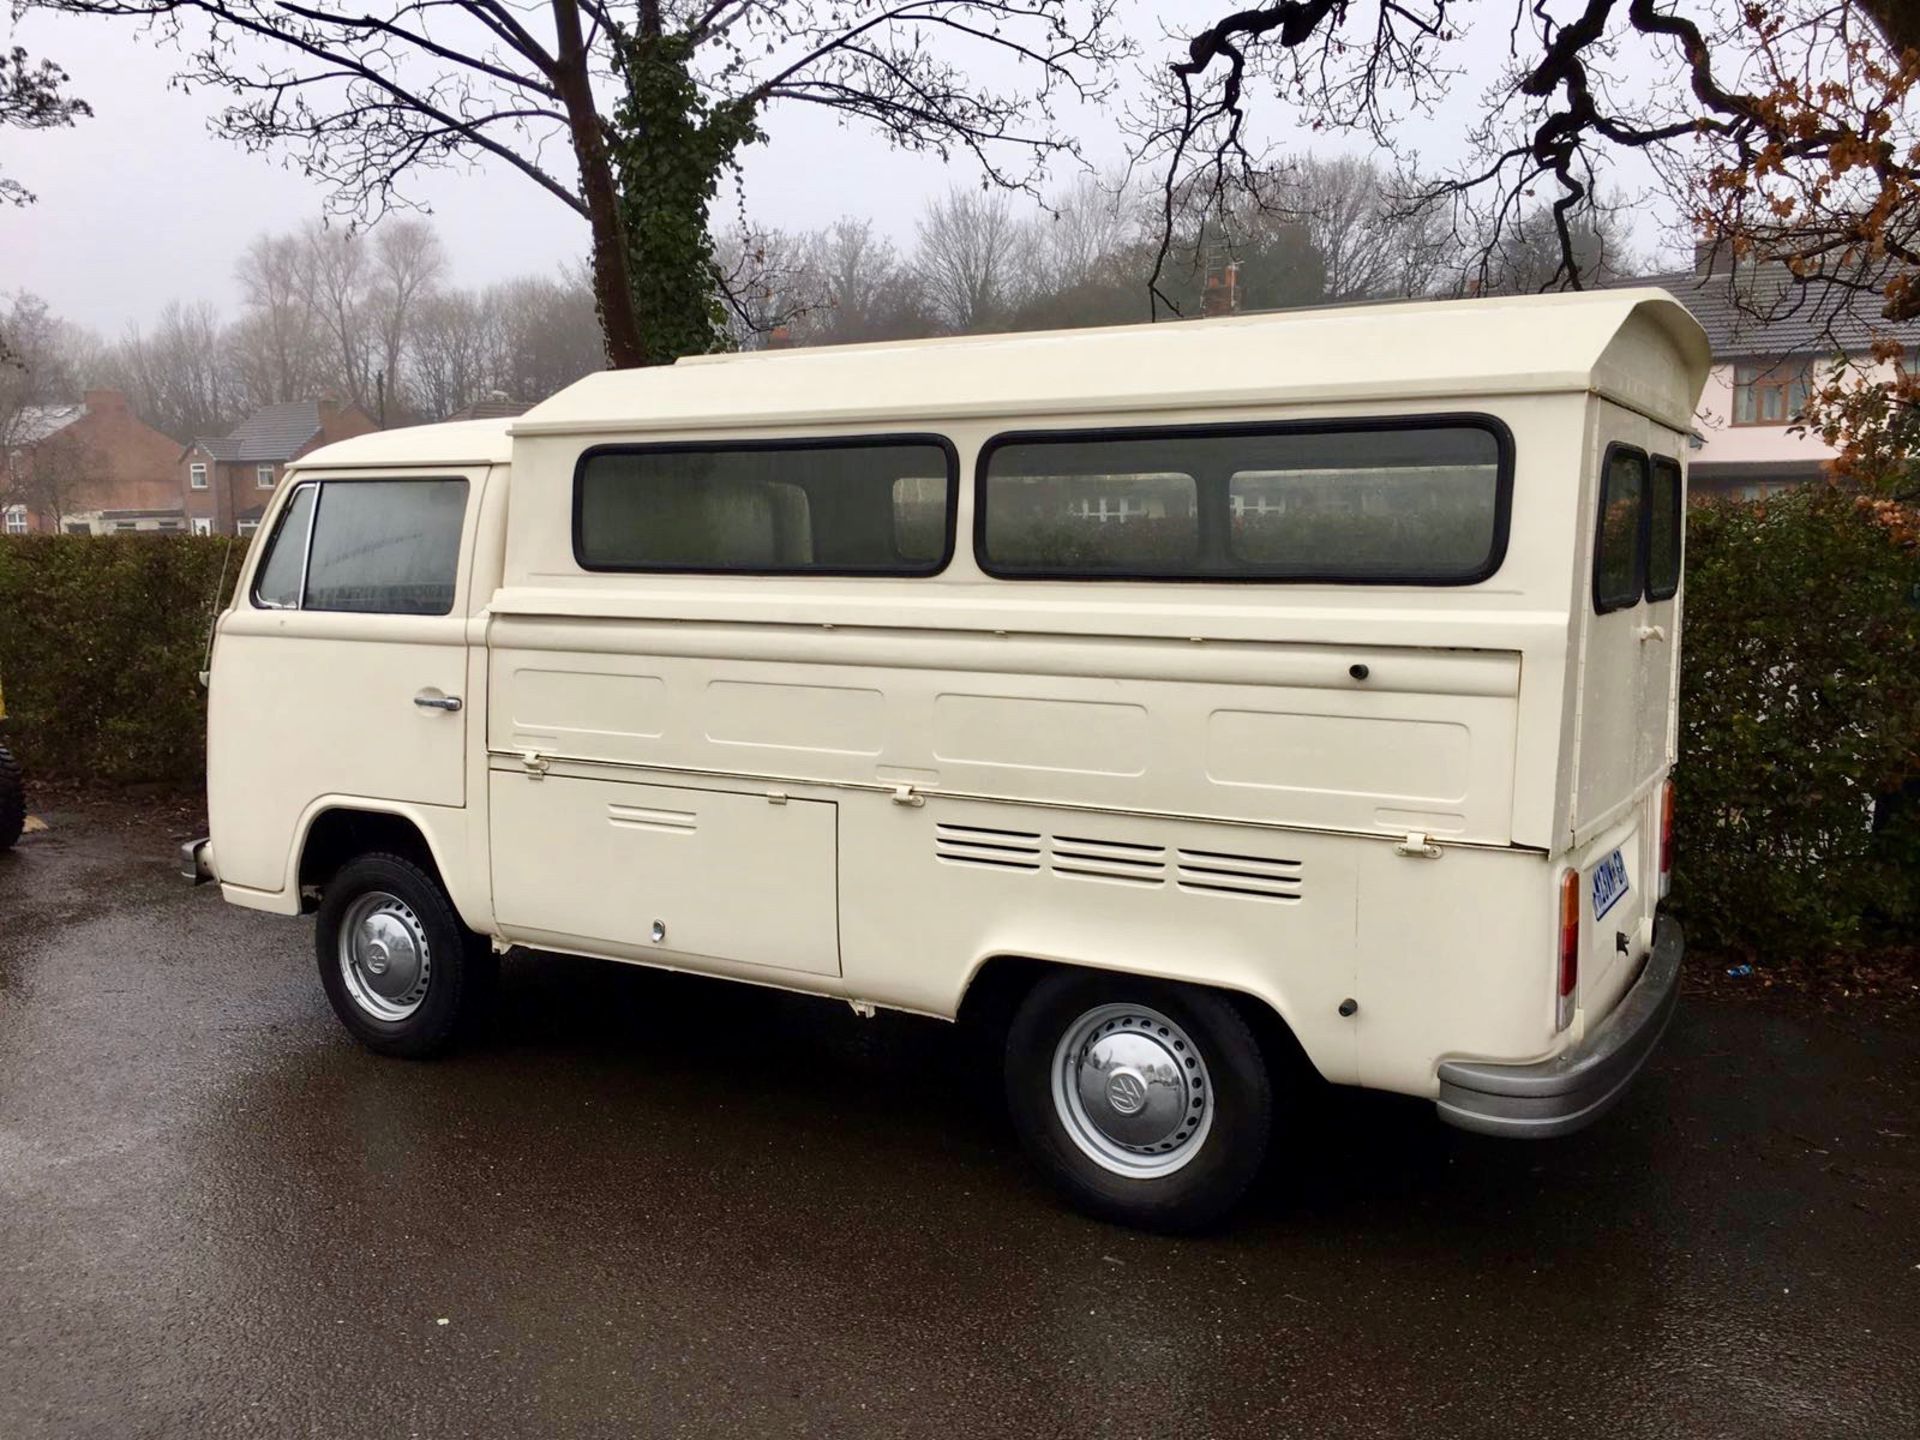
(434, 700)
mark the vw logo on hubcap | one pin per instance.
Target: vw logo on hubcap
(1127, 1092)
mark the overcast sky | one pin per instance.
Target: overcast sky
(140, 204)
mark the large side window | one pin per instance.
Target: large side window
(388, 547)
(868, 506)
(1410, 502)
(1666, 521)
(277, 584)
(1619, 555)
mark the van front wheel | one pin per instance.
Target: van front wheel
(1146, 1103)
(400, 970)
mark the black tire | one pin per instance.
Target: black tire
(13, 799)
(459, 977)
(1229, 1153)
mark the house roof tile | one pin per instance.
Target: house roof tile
(276, 432)
(1766, 314)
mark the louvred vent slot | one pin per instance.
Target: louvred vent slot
(980, 845)
(1259, 877)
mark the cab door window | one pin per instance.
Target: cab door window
(387, 547)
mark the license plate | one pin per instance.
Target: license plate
(1609, 884)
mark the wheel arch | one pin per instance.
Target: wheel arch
(999, 981)
(336, 829)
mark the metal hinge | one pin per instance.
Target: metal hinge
(536, 764)
(1418, 846)
(906, 795)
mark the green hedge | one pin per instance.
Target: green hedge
(1800, 705)
(101, 643)
(1799, 719)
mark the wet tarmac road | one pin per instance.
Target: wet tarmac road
(648, 1205)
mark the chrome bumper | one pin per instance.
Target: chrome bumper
(1572, 1090)
(196, 861)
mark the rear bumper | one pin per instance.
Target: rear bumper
(1572, 1090)
(196, 861)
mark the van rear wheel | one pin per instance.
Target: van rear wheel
(1146, 1103)
(400, 970)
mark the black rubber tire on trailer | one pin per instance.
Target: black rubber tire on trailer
(1194, 1033)
(410, 915)
(13, 799)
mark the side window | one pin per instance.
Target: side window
(277, 584)
(1619, 555)
(1391, 501)
(389, 547)
(1666, 523)
(1088, 510)
(866, 506)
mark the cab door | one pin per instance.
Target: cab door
(341, 668)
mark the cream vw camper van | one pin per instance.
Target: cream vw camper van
(1196, 699)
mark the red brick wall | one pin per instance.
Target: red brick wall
(124, 463)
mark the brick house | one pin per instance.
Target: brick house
(227, 479)
(91, 469)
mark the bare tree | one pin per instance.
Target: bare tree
(36, 366)
(455, 344)
(1779, 130)
(767, 284)
(548, 338)
(863, 289)
(30, 99)
(970, 256)
(1527, 255)
(368, 96)
(337, 273)
(408, 264)
(276, 343)
(179, 376)
(1084, 229)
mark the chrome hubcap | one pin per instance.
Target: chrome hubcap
(384, 957)
(1132, 1091)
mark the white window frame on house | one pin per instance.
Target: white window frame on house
(202, 526)
(1104, 508)
(263, 477)
(16, 519)
(197, 476)
(245, 528)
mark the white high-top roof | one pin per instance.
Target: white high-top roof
(1622, 343)
(1391, 352)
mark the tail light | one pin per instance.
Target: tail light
(1569, 948)
(1666, 839)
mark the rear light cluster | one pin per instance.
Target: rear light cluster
(1666, 839)
(1569, 948)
